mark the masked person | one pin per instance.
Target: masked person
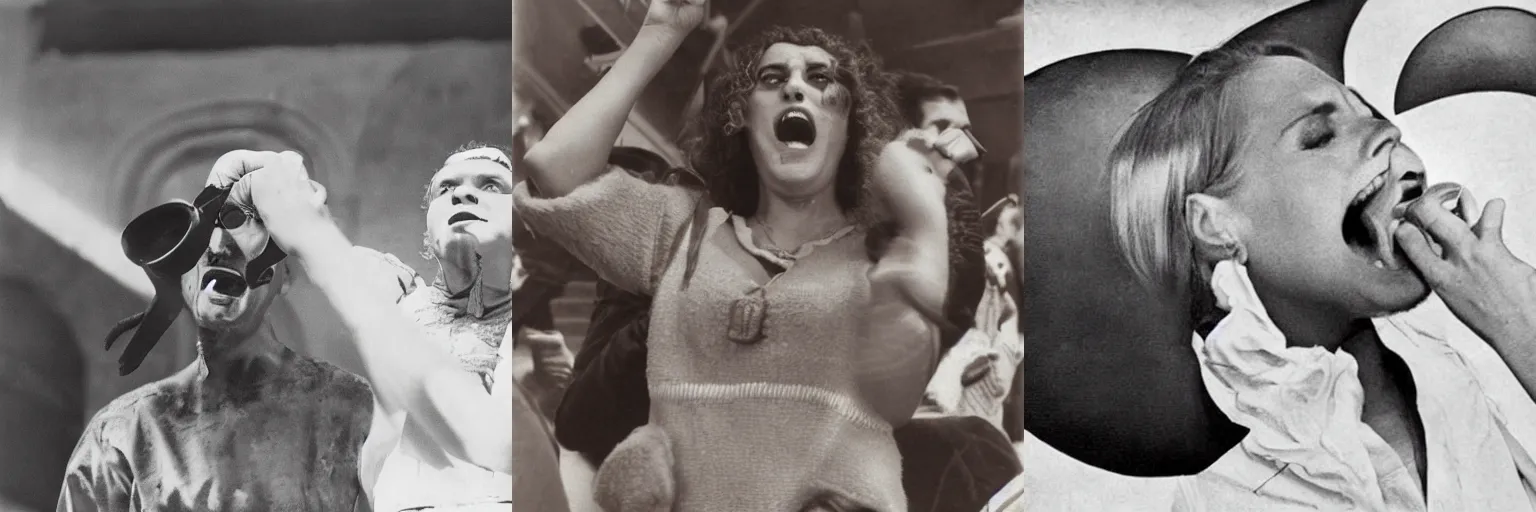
(249, 425)
(435, 353)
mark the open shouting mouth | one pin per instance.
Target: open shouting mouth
(1370, 218)
(223, 285)
(464, 217)
(795, 128)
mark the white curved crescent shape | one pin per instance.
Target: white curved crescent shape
(1056, 30)
(1387, 31)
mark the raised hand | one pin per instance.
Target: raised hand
(677, 16)
(909, 178)
(286, 200)
(1481, 281)
(232, 166)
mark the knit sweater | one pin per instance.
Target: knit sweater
(761, 426)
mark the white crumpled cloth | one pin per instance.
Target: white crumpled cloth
(1307, 448)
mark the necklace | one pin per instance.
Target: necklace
(749, 313)
(779, 250)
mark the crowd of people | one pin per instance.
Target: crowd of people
(805, 315)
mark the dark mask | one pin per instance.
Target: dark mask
(167, 241)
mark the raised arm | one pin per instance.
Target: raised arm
(575, 150)
(909, 283)
(406, 374)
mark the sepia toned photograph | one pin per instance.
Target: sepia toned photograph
(256, 256)
(771, 253)
(1279, 255)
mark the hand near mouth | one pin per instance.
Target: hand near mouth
(1485, 285)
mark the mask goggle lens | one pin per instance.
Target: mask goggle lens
(232, 217)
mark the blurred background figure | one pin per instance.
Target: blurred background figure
(108, 108)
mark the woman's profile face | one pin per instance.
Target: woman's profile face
(797, 119)
(1320, 173)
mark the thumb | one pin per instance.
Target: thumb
(1491, 226)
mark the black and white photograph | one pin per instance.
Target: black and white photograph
(256, 256)
(1279, 255)
(771, 252)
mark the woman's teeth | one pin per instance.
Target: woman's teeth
(1370, 188)
(797, 145)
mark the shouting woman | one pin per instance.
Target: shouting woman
(781, 351)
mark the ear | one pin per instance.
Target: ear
(1215, 228)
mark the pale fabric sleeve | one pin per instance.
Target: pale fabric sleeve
(620, 226)
(98, 477)
(394, 278)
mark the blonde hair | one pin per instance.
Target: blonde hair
(1183, 142)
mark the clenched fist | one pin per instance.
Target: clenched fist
(678, 17)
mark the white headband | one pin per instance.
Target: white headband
(486, 153)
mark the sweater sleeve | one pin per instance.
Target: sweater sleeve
(617, 224)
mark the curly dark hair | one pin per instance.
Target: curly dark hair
(718, 143)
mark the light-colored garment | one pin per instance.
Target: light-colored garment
(976, 375)
(278, 437)
(417, 474)
(753, 427)
(1307, 447)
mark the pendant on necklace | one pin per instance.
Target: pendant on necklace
(747, 314)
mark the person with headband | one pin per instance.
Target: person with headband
(249, 425)
(1307, 232)
(434, 353)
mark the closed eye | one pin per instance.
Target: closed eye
(1317, 139)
